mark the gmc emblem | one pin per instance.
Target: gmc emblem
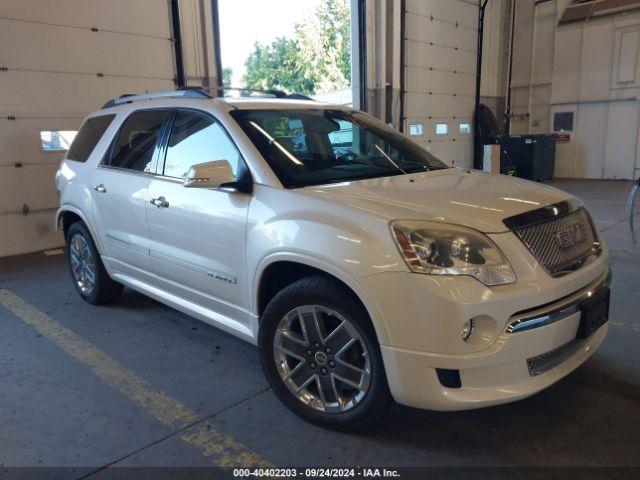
(571, 235)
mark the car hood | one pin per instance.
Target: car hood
(470, 198)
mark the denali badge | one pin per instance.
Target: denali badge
(571, 235)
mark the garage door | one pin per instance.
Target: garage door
(60, 60)
(440, 39)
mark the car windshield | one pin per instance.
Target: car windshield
(320, 146)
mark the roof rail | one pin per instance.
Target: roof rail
(198, 92)
(273, 92)
(128, 98)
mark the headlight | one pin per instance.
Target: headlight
(442, 249)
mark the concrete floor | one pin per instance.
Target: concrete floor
(56, 411)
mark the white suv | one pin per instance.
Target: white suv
(363, 267)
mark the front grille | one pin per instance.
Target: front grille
(563, 244)
(545, 362)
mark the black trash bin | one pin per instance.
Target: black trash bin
(526, 156)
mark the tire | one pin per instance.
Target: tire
(98, 288)
(288, 350)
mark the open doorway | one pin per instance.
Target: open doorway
(299, 46)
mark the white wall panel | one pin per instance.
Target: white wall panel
(626, 52)
(543, 43)
(621, 140)
(64, 59)
(42, 198)
(440, 59)
(29, 46)
(36, 227)
(449, 10)
(523, 42)
(27, 94)
(433, 56)
(495, 49)
(540, 96)
(439, 106)
(427, 30)
(596, 60)
(198, 52)
(426, 80)
(533, 60)
(136, 17)
(590, 146)
(595, 73)
(20, 139)
(520, 110)
(566, 64)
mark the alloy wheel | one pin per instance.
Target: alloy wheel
(83, 265)
(322, 359)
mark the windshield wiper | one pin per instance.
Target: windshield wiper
(421, 167)
(389, 159)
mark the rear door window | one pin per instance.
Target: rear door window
(135, 146)
(88, 137)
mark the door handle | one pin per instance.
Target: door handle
(100, 188)
(160, 202)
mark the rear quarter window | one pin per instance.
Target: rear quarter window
(88, 137)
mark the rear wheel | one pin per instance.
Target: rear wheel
(89, 276)
(321, 355)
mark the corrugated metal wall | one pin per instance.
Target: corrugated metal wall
(440, 40)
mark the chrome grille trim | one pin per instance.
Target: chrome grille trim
(543, 363)
(541, 240)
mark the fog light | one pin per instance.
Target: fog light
(467, 328)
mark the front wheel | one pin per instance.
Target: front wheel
(321, 355)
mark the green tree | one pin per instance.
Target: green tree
(227, 74)
(278, 66)
(325, 43)
(316, 60)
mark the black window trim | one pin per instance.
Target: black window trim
(244, 178)
(106, 159)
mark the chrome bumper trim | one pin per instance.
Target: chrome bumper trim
(559, 310)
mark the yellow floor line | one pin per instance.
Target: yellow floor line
(221, 448)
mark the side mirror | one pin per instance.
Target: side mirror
(216, 174)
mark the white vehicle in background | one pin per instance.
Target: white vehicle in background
(363, 267)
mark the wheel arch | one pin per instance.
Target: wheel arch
(67, 215)
(275, 267)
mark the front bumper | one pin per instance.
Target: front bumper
(413, 380)
(493, 369)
